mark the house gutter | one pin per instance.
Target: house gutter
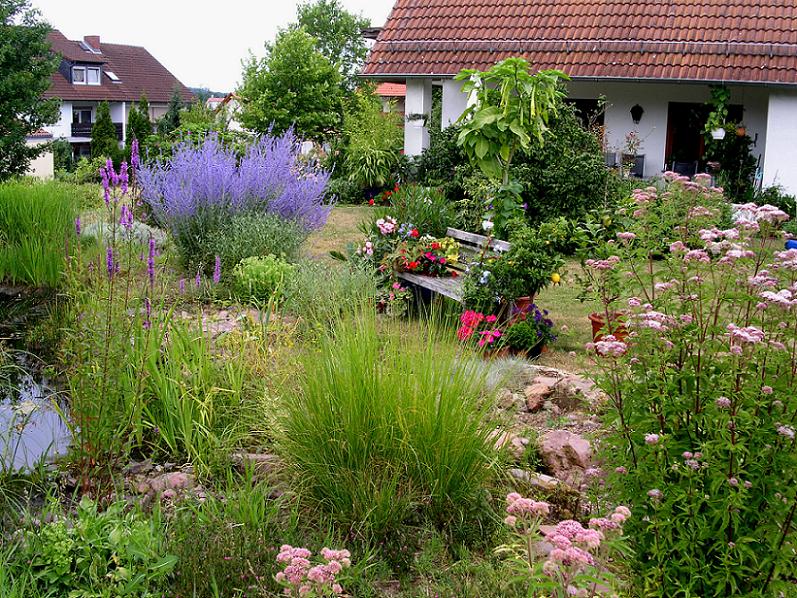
(401, 77)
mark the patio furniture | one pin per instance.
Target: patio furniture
(470, 245)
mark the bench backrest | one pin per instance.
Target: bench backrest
(473, 243)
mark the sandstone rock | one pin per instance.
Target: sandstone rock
(176, 480)
(540, 389)
(540, 481)
(562, 452)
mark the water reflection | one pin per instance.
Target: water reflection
(31, 429)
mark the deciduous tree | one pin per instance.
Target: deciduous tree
(338, 35)
(294, 85)
(26, 65)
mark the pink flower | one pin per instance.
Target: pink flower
(723, 403)
(610, 346)
(767, 390)
(652, 439)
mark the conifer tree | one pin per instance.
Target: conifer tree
(104, 142)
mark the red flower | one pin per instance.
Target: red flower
(413, 265)
(454, 273)
(443, 261)
(415, 233)
(396, 188)
(435, 245)
(370, 202)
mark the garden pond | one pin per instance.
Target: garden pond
(32, 429)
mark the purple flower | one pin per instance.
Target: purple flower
(78, 227)
(271, 177)
(151, 261)
(198, 279)
(126, 217)
(109, 263)
(123, 178)
(134, 160)
(217, 271)
(181, 286)
(148, 310)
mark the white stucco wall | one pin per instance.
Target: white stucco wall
(418, 101)
(63, 128)
(654, 99)
(454, 101)
(780, 164)
(42, 167)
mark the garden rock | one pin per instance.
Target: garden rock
(515, 444)
(540, 481)
(536, 394)
(562, 452)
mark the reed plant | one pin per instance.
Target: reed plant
(388, 428)
(37, 231)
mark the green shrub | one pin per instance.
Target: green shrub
(95, 553)
(439, 164)
(388, 428)
(37, 223)
(259, 278)
(374, 142)
(343, 191)
(775, 195)
(234, 238)
(425, 208)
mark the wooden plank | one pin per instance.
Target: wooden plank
(449, 287)
(477, 240)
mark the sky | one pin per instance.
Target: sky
(201, 42)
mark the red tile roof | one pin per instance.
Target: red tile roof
(138, 71)
(391, 90)
(699, 40)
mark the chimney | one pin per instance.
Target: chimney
(93, 41)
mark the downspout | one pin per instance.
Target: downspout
(124, 123)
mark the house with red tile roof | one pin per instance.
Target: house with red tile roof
(92, 71)
(650, 63)
(392, 96)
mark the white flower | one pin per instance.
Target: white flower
(488, 225)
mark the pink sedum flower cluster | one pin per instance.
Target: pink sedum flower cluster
(301, 578)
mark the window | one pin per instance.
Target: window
(93, 75)
(112, 76)
(81, 115)
(79, 75)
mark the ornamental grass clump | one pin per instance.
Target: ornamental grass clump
(702, 390)
(195, 192)
(388, 429)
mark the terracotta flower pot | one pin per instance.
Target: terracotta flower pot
(741, 131)
(616, 326)
(522, 304)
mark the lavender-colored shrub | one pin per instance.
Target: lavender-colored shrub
(203, 187)
(271, 177)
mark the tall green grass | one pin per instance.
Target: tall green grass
(389, 427)
(37, 224)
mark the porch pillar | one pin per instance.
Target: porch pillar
(417, 109)
(454, 101)
(780, 154)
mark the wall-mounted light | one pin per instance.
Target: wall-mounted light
(636, 113)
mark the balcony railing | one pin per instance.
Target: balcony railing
(84, 130)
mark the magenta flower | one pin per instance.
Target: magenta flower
(198, 279)
(151, 261)
(78, 227)
(134, 159)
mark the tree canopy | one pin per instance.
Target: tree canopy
(338, 35)
(294, 85)
(26, 64)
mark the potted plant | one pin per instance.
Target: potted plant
(529, 332)
(715, 123)
(500, 283)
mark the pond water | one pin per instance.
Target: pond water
(31, 427)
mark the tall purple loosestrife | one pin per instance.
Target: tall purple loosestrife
(270, 177)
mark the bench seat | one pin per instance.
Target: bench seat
(471, 245)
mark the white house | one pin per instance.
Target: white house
(656, 57)
(92, 71)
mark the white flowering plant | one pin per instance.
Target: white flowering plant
(702, 398)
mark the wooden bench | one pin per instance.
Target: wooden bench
(471, 245)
